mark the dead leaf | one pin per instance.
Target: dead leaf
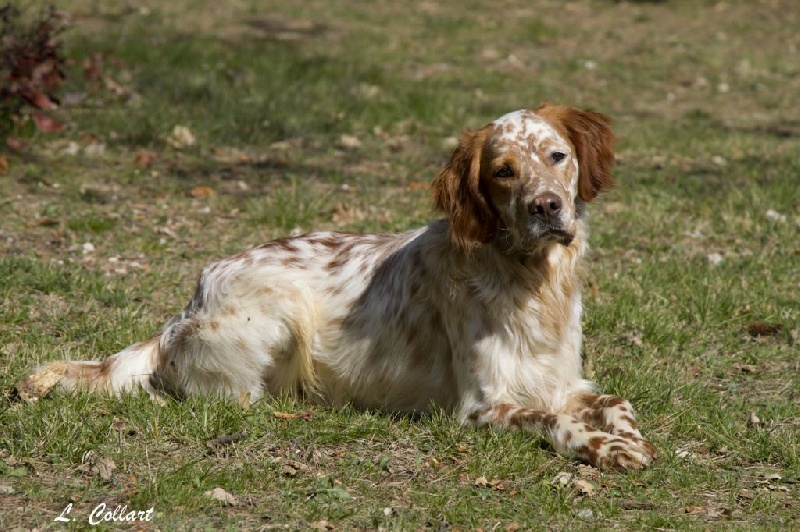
(15, 144)
(42, 382)
(3, 164)
(202, 192)
(93, 66)
(417, 185)
(118, 90)
(754, 421)
(746, 368)
(97, 464)
(693, 510)
(219, 494)
(584, 487)
(46, 123)
(144, 158)
(760, 328)
(306, 415)
(46, 221)
(42, 101)
(350, 142)
(562, 479)
(512, 527)
(587, 471)
(181, 137)
(321, 525)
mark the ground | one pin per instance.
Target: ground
(193, 130)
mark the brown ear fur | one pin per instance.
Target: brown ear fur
(590, 133)
(457, 190)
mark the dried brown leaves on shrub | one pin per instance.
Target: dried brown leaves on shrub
(31, 64)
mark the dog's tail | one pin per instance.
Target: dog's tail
(130, 369)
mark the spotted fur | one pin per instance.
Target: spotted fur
(478, 313)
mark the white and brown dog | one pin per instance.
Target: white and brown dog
(479, 313)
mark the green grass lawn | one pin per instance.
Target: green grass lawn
(320, 115)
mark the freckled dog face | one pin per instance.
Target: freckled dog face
(530, 172)
(522, 181)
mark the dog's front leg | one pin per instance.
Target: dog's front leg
(611, 414)
(567, 434)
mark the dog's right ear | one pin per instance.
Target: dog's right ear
(457, 190)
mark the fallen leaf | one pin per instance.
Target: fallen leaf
(93, 66)
(775, 216)
(306, 415)
(562, 479)
(512, 527)
(118, 90)
(746, 368)
(202, 192)
(219, 494)
(692, 510)
(3, 164)
(349, 142)
(42, 101)
(42, 382)
(417, 185)
(584, 487)
(760, 328)
(15, 143)
(144, 158)
(587, 471)
(46, 123)
(321, 525)
(95, 149)
(97, 464)
(46, 221)
(181, 137)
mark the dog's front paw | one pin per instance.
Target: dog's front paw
(614, 452)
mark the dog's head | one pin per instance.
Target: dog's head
(523, 179)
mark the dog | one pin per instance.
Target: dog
(478, 313)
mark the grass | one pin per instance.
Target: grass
(694, 251)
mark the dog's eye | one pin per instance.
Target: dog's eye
(504, 172)
(558, 156)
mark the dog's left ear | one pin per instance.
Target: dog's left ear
(591, 135)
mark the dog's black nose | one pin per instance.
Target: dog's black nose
(545, 207)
